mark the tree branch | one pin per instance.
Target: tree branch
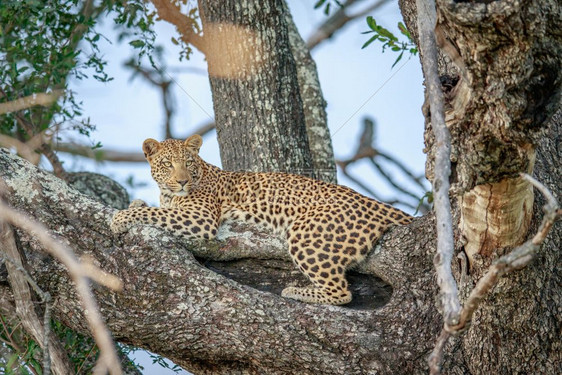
(218, 324)
(108, 358)
(171, 13)
(338, 20)
(105, 154)
(445, 245)
(42, 99)
(19, 280)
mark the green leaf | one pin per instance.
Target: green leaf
(373, 38)
(398, 59)
(319, 3)
(372, 23)
(137, 43)
(12, 360)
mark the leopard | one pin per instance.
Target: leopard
(327, 227)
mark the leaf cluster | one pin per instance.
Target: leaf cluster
(44, 44)
(22, 354)
(389, 40)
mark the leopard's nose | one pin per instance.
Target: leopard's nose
(182, 182)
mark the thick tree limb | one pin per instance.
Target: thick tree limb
(219, 324)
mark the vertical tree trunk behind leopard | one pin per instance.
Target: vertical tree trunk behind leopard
(257, 100)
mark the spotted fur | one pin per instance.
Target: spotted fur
(328, 227)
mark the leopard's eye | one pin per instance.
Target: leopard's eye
(166, 164)
(188, 163)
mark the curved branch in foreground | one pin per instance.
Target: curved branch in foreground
(205, 322)
(79, 275)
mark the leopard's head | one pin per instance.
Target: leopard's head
(175, 165)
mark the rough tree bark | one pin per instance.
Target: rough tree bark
(219, 312)
(258, 90)
(180, 307)
(174, 305)
(501, 71)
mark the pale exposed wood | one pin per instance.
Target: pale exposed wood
(496, 216)
(108, 360)
(517, 259)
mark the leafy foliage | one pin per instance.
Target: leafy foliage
(43, 44)
(389, 40)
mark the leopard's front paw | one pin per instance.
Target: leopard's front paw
(119, 222)
(138, 203)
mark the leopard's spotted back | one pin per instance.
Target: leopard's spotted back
(327, 227)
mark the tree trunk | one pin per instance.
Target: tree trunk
(314, 106)
(501, 70)
(253, 74)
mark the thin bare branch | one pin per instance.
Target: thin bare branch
(42, 99)
(445, 244)
(404, 169)
(105, 154)
(338, 20)
(366, 150)
(45, 149)
(171, 13)
(436, 357)
(108, 360)
(19, 281)
(391, 181)
(102, 154)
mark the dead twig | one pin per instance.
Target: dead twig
(366, 150)
(445, 244)
(108, 360)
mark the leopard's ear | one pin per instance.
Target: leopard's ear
(194, 143)
(150, 147)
